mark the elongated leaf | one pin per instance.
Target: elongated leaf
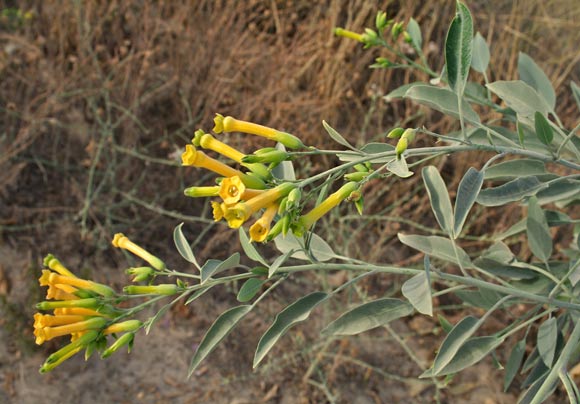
(510, 192)
(514, 362)
(520, 97)
(471, 352)
(400, 92)
(221, 327)
(278, 262)
(440, 202)
(547, 339)
(183, 246)
(249, 249)
(212, 266)
(337, 137)
(514, 169)
(556, 191)
(294, 313)
(466, 195)
(368, 316)
(318, 247)
(532, 393)
(543, 129)
(249, 289)
(538, 232)
(575, 92)
(399, 167)
(480, 59)
(458, 48)
(531, 73)
(460, 333)
(415, 33)
(418, 292)
(197, 294)
(445, 324)
(443, 100)
(369, 148)
(438, 247)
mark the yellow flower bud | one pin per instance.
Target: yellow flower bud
(230, 124)
(325, 206)
(121, 241)
(348, 34)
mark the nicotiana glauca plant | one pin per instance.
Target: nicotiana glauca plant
(535, 163)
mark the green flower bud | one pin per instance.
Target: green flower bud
(197, 137)
(395, 133)
(362, 168)
(125, 339)
(407, 38)
(294, 197)
(140, 273)
(381, 20)
(163, 289)
(401, 147)
(409, 134)
(276, 156)
(396, 30)
(358, 176)
(274, 231)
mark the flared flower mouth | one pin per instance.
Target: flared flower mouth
(231, 190)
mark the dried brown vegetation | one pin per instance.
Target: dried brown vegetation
(97, 99)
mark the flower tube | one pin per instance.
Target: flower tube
(307, 220)
(229, 124)
(259, 230)
(121, 241)
(196, 158)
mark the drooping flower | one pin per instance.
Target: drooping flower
(229, 124)
(260, 229)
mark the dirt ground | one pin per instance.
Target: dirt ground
(97, 100)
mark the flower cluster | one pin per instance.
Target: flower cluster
(244, 194)
(88, 311)
(82, 309)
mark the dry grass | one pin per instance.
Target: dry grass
(97, 98)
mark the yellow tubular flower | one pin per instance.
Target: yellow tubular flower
(207, 141)
(68, 351)
(231, 190)
(82, 284)
(89, 303)
(51, 262)
(201, 192)
(218, 210)
(48, 333)
(77, 311)
(229, 124)
(259, 230)
(325, 206)
(348, 34)
(193, 157)
(56, 293)
(121, 241)
(236, 215)
(46, 320)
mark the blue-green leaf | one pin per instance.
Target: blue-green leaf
(460, 333)
(183, 246)
(531, 74)
(470, 352)
(249, 289)
(213, 266)
(538, 231)
(520, 97)
(543, 129)
(337, 137)
(418, 292)
(319, 248)
(278, 262)
(515, 168)
(467, 192)
(221, 327)
(415, 33)
(575, 93)
(249, 249)
(399, 167)
(438, 247)
(510, 192)
(440, 202)
(368, 316)
(547, 339)
(480, 58)
(514, 362)
(284, 170)
(400, 92)
(458, 48)
(443, 100)
(292, 314)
